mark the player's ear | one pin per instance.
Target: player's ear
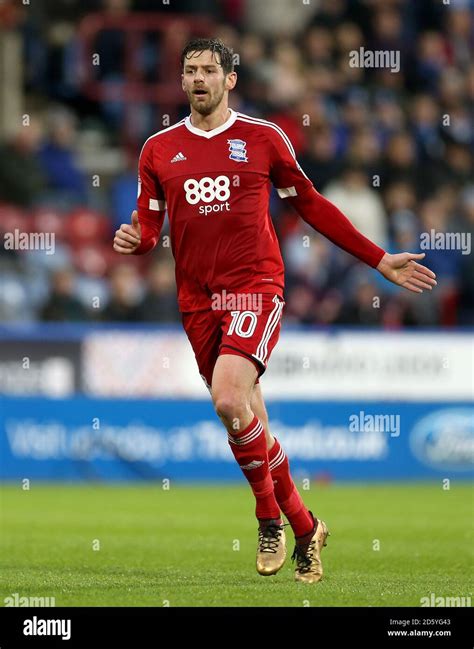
(182, 82)
(231, 80)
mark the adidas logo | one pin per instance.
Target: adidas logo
(254, 464)
(179, 157)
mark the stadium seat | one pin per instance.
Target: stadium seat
(49, 220)
(14, 218)
(85, 225)
(92, 259)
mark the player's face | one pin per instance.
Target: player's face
(204, 81)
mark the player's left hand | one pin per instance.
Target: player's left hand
(404, 270)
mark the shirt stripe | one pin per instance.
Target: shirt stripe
(156, 205)
(286, 192)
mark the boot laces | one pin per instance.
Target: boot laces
(304, 558)
(269, 538)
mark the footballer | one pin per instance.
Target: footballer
(212, 172)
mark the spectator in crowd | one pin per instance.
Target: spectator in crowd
(320, 162)
(58, 158)
(62, 304)
(22, 178)
(159, 303)
(123, 192)
(425, 123)
(360, 202)
(400, 158)
(363, 305)
(125, 294)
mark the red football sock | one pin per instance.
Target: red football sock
(250, 450)
(286, 492)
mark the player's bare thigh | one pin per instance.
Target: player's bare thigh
(232, 386)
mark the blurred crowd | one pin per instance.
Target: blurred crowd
(392, 149)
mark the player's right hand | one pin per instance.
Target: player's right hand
(128, 237)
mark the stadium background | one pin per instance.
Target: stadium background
(97, 379)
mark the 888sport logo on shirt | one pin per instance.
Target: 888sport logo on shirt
(208, 190)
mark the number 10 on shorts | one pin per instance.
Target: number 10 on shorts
(243, 323)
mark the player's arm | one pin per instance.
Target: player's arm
(143, 233)
(294, 186)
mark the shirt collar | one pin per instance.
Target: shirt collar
(215, 131)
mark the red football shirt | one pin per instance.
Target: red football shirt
(216, 186)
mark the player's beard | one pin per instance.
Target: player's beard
(210, 104)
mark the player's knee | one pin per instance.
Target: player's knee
(230, 406)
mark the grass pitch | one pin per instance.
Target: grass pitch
(195, 546)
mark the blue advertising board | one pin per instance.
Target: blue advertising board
(80, 438)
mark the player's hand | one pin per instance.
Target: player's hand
(128, 237)
(404, 270)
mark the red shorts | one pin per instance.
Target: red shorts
(251, 332)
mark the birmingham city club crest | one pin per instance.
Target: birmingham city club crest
(237, 150)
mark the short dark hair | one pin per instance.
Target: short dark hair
(215, 45)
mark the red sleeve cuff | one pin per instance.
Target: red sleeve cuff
(150, 230)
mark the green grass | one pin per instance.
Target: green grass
(177, 545)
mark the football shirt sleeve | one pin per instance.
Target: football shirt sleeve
(151, 203)
(293, 185)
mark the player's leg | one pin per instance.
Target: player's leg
(310, 533)
(232, 385)
(233, 382)
(258, 407)
(286, 493)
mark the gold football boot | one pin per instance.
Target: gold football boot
(309, 568)
(271, 550)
